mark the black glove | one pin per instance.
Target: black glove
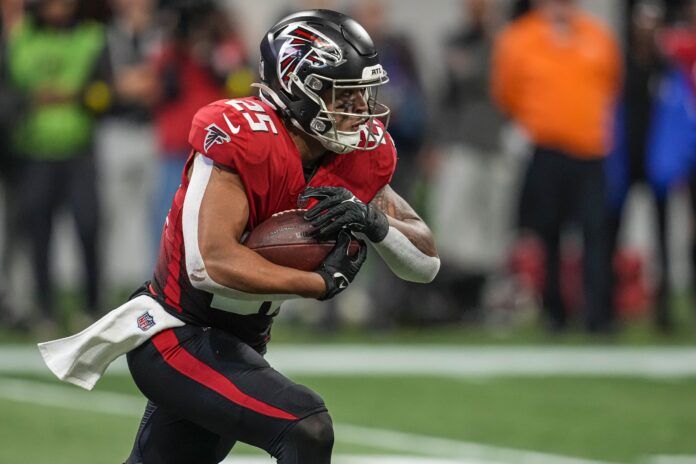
(339, 209)
(338, 269)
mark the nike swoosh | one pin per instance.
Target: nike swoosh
(343, 283)
(234, 129)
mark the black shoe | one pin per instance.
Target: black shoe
(602, 328)
(663, 318)
(556, 326)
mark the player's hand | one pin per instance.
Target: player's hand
(339, 269)
(339, 209)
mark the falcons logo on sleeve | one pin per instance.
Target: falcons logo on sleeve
(213, 136)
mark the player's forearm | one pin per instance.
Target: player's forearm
(242, 270)
(411, 257)
(403, 218)
(417, 232)
(408, 248)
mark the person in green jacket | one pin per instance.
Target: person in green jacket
(57, 63)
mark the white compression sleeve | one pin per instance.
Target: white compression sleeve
(405, 260)
(195, 266)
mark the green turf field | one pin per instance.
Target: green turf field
(614, 420)
(606, 418)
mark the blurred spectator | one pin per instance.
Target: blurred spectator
(126, 141)
(468, 115)
(58, 63)
(202, 61)
(407, 126)
(12, 12)
(404, 94)
(520, 8)
(10, 108)
(679, 42)
(675, 118)
(556, 72)
(629, 162)
(469, 195)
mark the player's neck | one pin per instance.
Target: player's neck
(311, 150)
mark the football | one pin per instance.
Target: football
(286, 239)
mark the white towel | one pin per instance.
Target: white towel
(81, 359)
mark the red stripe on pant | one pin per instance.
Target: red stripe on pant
(181, 360)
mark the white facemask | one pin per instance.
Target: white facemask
(345, 142)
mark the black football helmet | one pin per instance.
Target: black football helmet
(308, 61)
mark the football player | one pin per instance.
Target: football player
(311, 138)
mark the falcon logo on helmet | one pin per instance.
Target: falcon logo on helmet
(320, 70)
(304, 44)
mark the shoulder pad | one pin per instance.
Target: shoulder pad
(220, 131)
(384, 159)
(384, 156)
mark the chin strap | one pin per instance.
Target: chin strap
(334, 147)
(266, 94)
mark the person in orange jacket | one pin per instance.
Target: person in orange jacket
(557, 73)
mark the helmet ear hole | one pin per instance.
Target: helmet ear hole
(320, 126)
(314, 83)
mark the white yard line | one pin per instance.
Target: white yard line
(67, 397)
(487, 361)
(445, 361)
(671, 459)
(357, 459)
(447, 448)
(389, 440)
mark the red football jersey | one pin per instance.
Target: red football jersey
(247, 136)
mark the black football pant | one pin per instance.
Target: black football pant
(46, 187)
(662, 311)
(560, 189)
(208, 390)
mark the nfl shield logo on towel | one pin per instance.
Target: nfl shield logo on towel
(145, 322)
